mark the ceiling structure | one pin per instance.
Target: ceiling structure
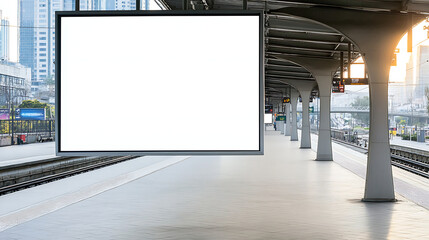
(293, 36)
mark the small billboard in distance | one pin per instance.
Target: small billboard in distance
(4, 114)
(30, 114)
(268, 118)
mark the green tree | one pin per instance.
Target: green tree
(361, 102)
(36, 104)
(400, 119)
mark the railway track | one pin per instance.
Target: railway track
(412, 160)
(55, 169)
(409, 159)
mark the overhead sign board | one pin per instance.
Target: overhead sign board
(355, 81)
(281, 118)
(337, 86)
(268, 108)
(30, 114)
(152, 58)
(286, 100)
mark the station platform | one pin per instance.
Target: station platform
(284, 194)
(411, 144)
(26, 153)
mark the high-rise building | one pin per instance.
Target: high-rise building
(99, 4)
(4, 39)
(422, 70)
(69, 5)
(26, 34)
(125, 4)
(112, 4)
(37, 37)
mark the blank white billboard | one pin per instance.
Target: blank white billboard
(268, 118)
(182, 83)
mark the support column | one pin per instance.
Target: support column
(305, 88)
(322, 70)
(379, 178)
(288, 120)
(305, 131)
(376, 35)
(324, 144)
(294, 102)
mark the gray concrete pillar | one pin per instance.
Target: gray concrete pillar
(280, 126)
(376, 35)
(379, 178)
(305, 131)
(304, 88)
(294, 102)
(324, 143)
(284, 127)
(288, 120)
(322, 70)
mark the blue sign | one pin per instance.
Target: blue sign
(30, 114)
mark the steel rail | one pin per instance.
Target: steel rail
(52, 177)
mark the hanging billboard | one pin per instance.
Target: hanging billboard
(189, 65)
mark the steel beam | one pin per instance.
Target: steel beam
(304, 49)
(288, 77)
(306, 40)
(302, 31)
(297, 74)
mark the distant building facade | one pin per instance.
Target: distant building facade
(413, 90)
(15, 83)
(4, 39)
(106, 4)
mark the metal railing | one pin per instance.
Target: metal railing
(33, 128)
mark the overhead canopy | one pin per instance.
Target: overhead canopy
(293, 36)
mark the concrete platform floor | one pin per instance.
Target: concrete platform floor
(284, 194)
(26, 153)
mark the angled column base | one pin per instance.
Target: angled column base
(324, 158)
(378, 200)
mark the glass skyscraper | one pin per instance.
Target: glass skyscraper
(37, 37)
(4, 40)
(26, 34)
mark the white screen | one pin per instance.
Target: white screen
(159, 83)
(268, 118)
